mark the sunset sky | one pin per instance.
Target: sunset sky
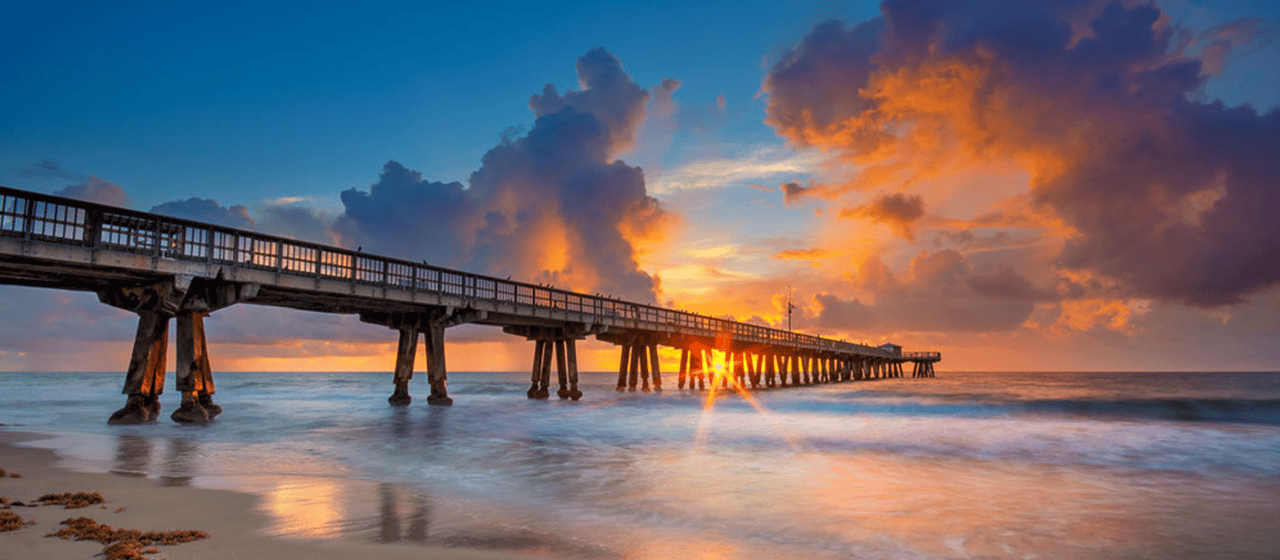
(1057, 185)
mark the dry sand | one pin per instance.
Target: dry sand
(232, 519)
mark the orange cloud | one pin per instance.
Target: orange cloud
(803, 254)
(1163, 194)
(898, 211)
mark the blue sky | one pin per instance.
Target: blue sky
(260, 100)
(288, 104)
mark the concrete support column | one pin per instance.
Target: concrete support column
(644, 366)
(571, 354)
(144, 382)
(653, 365)
(194, 376)
(684, 368)
(633, 373)
(535, 372)
(698, 364)
(544, 376)
(622, 367)
(727, 373)
(562, 371)
(406, 351)
(436, 372)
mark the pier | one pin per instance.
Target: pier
(170, 270)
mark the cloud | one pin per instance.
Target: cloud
(898, 211)
(96, 190)
(1172, 197)
(757, 164)
(297, 222)
(207, 210)
(275, 218)
(803, 254)
(940, 292)
(792, 192)
(1241, 36)
(553, 206)
(50, 168)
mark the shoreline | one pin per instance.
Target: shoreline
(234, 520)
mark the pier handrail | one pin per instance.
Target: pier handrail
(49, 218)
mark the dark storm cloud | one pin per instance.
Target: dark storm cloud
(1174, 197)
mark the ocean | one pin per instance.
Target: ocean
(964, 465)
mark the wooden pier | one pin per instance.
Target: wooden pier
(166, 268)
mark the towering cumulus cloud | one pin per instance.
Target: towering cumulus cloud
(1173, 197)
(554, 205)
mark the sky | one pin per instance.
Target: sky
(1028, 186)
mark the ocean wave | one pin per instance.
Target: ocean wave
(1240, 411)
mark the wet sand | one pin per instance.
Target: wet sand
(233, 520)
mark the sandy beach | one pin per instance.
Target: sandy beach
(233, 520)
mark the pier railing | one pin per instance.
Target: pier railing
(52, 219)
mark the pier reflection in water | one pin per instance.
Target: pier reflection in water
(134, 455)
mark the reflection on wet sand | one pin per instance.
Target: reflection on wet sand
(133, 459)
(418, 521)
(310, 507)
(133, 456)
(179, 462)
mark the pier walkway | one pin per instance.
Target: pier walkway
(165, 268)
